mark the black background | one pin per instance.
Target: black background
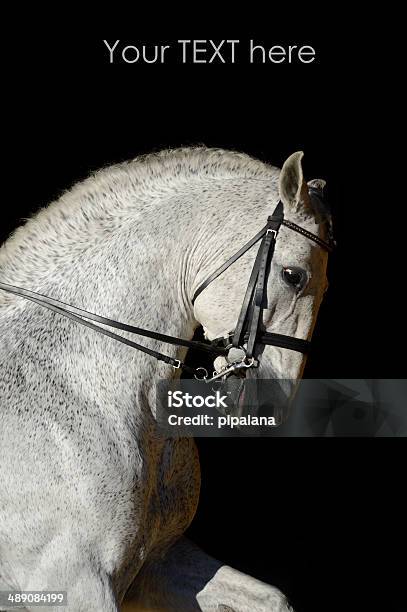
(320, 518)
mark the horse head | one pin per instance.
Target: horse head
(294, 284)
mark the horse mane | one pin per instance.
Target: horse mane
(147, 177)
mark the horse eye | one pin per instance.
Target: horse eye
(295, 277)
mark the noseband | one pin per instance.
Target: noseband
(248, 329)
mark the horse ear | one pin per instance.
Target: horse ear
(321, 209)
(317, 184)
(292, 181)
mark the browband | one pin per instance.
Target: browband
(327, 246)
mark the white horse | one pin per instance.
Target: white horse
(92, 499)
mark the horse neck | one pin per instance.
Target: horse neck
(136, 270)
(136, 262)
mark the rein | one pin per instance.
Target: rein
(248, 325)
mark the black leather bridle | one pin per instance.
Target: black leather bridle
(248, 328)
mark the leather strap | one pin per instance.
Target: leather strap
(252, 309)
(229, 262)
(273, 339)
(79, 316)
(247, 328)
(257, 304)
(242, 319)
(300, 230)
(44, 300)
(327, 246)
(286, 342)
